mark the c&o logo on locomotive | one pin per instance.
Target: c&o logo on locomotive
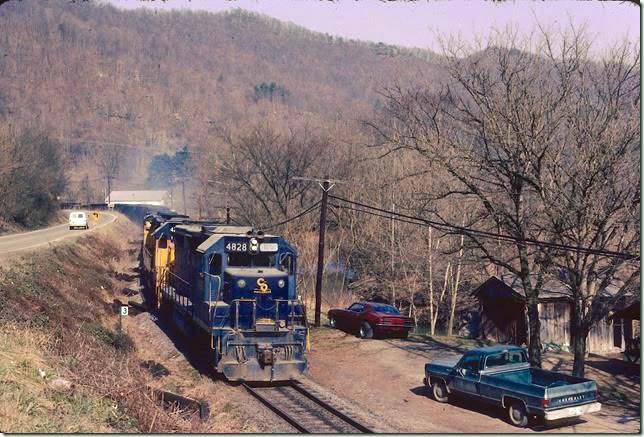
(263, 286)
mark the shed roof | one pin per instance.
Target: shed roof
(509, 285)
(632, 311)
(137, 196)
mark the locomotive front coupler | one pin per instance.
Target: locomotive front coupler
(265, 354)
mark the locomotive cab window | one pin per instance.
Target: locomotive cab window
(215, 264)
(163, 243)
(287, 263)
(240, 259)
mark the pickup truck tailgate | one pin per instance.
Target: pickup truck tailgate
(571, 394)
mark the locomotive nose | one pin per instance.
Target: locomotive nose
(258, 284)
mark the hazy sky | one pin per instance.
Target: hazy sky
(417, 24)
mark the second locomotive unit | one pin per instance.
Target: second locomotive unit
(232, 290)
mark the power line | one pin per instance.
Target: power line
(465, 230)
(290, 219)
(377, 215)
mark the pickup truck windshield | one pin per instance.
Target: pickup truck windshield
(503, 358)
(471, 362)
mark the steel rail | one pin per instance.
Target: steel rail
(296, 385)
(294, 421)
(284, 415)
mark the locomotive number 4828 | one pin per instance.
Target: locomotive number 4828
(237, 247)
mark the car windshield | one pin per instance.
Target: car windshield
(385, 309)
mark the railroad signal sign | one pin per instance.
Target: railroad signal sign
(124, 310)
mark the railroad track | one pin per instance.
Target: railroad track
(304, 410)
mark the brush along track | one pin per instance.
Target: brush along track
(304, 410)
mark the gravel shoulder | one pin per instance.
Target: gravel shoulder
(384, 377)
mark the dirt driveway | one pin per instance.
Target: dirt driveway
(385, 378)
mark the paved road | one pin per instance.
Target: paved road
(29, 240)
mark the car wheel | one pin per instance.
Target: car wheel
(439, 391)
(518, 414)
(404, 335)
(366, 331)
(332, 322)
(71, 228)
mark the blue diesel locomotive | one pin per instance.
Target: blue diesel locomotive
(233, 290)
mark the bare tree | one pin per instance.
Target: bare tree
(455, 280)
(109, 159)
(499, 128)
(590, 189)
(260, 167)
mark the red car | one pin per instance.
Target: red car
(369, 319)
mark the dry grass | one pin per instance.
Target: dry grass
(57, 314)
(12, 228)
(28, 403)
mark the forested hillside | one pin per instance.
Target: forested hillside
(163, 80)
(93, 71)
(498, 144)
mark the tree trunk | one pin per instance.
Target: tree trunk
(579, 351)
(574, 323)
(431, 282)
(578, 338)
(534, 326)
(440, 298)
(454, 286)
(450, 323)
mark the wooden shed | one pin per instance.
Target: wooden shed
(503, 317)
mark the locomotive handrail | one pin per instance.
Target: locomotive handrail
(210, 286)
(178, 277)
(291, 314)
(291, 303)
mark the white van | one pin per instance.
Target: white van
(78, 219)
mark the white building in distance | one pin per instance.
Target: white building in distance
(141, 197)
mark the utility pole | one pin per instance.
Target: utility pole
(183, 191)
(318, 277)
(326, 186)
(227, 204)
(109, 191)
(393, 286)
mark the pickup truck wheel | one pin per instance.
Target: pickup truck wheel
(366, 331)
(518, 414)
(439, 391)
(332, 322)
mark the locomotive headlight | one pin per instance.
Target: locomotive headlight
(254, 244)
(241, 283)
(280, 283)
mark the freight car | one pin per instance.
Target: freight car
(232, 290)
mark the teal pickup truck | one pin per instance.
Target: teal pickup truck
(501, 375)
